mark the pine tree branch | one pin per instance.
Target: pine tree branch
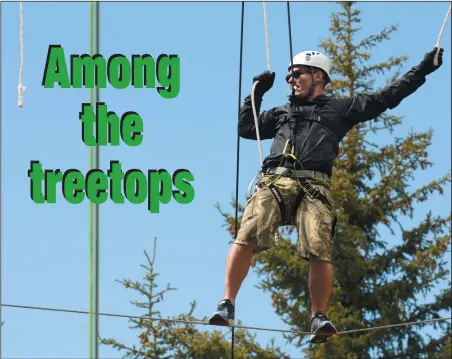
(371, 41)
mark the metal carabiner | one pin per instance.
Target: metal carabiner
(249, 190)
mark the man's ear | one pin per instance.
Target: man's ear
(318, 77)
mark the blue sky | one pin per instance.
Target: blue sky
(45, 247)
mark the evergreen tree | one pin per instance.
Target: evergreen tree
(374, 284)
(179, 340)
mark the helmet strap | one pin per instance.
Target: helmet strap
(313, 85)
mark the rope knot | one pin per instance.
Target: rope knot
(20, 90)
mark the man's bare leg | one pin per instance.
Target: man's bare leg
(320, 284)
(237, 267)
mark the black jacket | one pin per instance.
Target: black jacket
(322, 123)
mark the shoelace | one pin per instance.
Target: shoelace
(223, 305)
(319, 316)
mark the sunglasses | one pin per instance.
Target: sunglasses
(296, 74)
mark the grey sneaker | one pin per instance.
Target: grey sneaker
(224, 314)
(322, 328)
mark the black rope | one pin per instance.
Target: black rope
(238, 150)
(292, 122)
(290, 43)
(199, 322)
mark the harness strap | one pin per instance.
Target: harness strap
(275, 192)
(282, 207)
(295, 113)
(314, 193)
(287, 172)
(289, 148)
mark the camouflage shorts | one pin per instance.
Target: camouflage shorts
(315, 222)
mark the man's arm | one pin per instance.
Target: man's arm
(247, 127)
(365, 107)
(266, 120)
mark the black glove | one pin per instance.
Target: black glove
(427, 66)
(266, 80)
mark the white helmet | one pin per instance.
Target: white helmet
(315, 59)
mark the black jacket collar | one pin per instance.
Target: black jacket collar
(321, 100)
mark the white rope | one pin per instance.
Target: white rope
(20, 87)
(256, 123)
(253, 104)
(267, 46)
(435, 60)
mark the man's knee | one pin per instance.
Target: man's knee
(243, 247)
(320, 261)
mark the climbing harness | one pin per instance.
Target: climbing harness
(312, 192)
(296, 113)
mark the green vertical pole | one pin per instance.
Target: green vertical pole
(96, 304)
(91, 99)
(94, 208)
(1, 252)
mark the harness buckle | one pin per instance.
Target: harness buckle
(287, 173)
(315, 193)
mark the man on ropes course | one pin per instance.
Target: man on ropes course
(295, 184)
